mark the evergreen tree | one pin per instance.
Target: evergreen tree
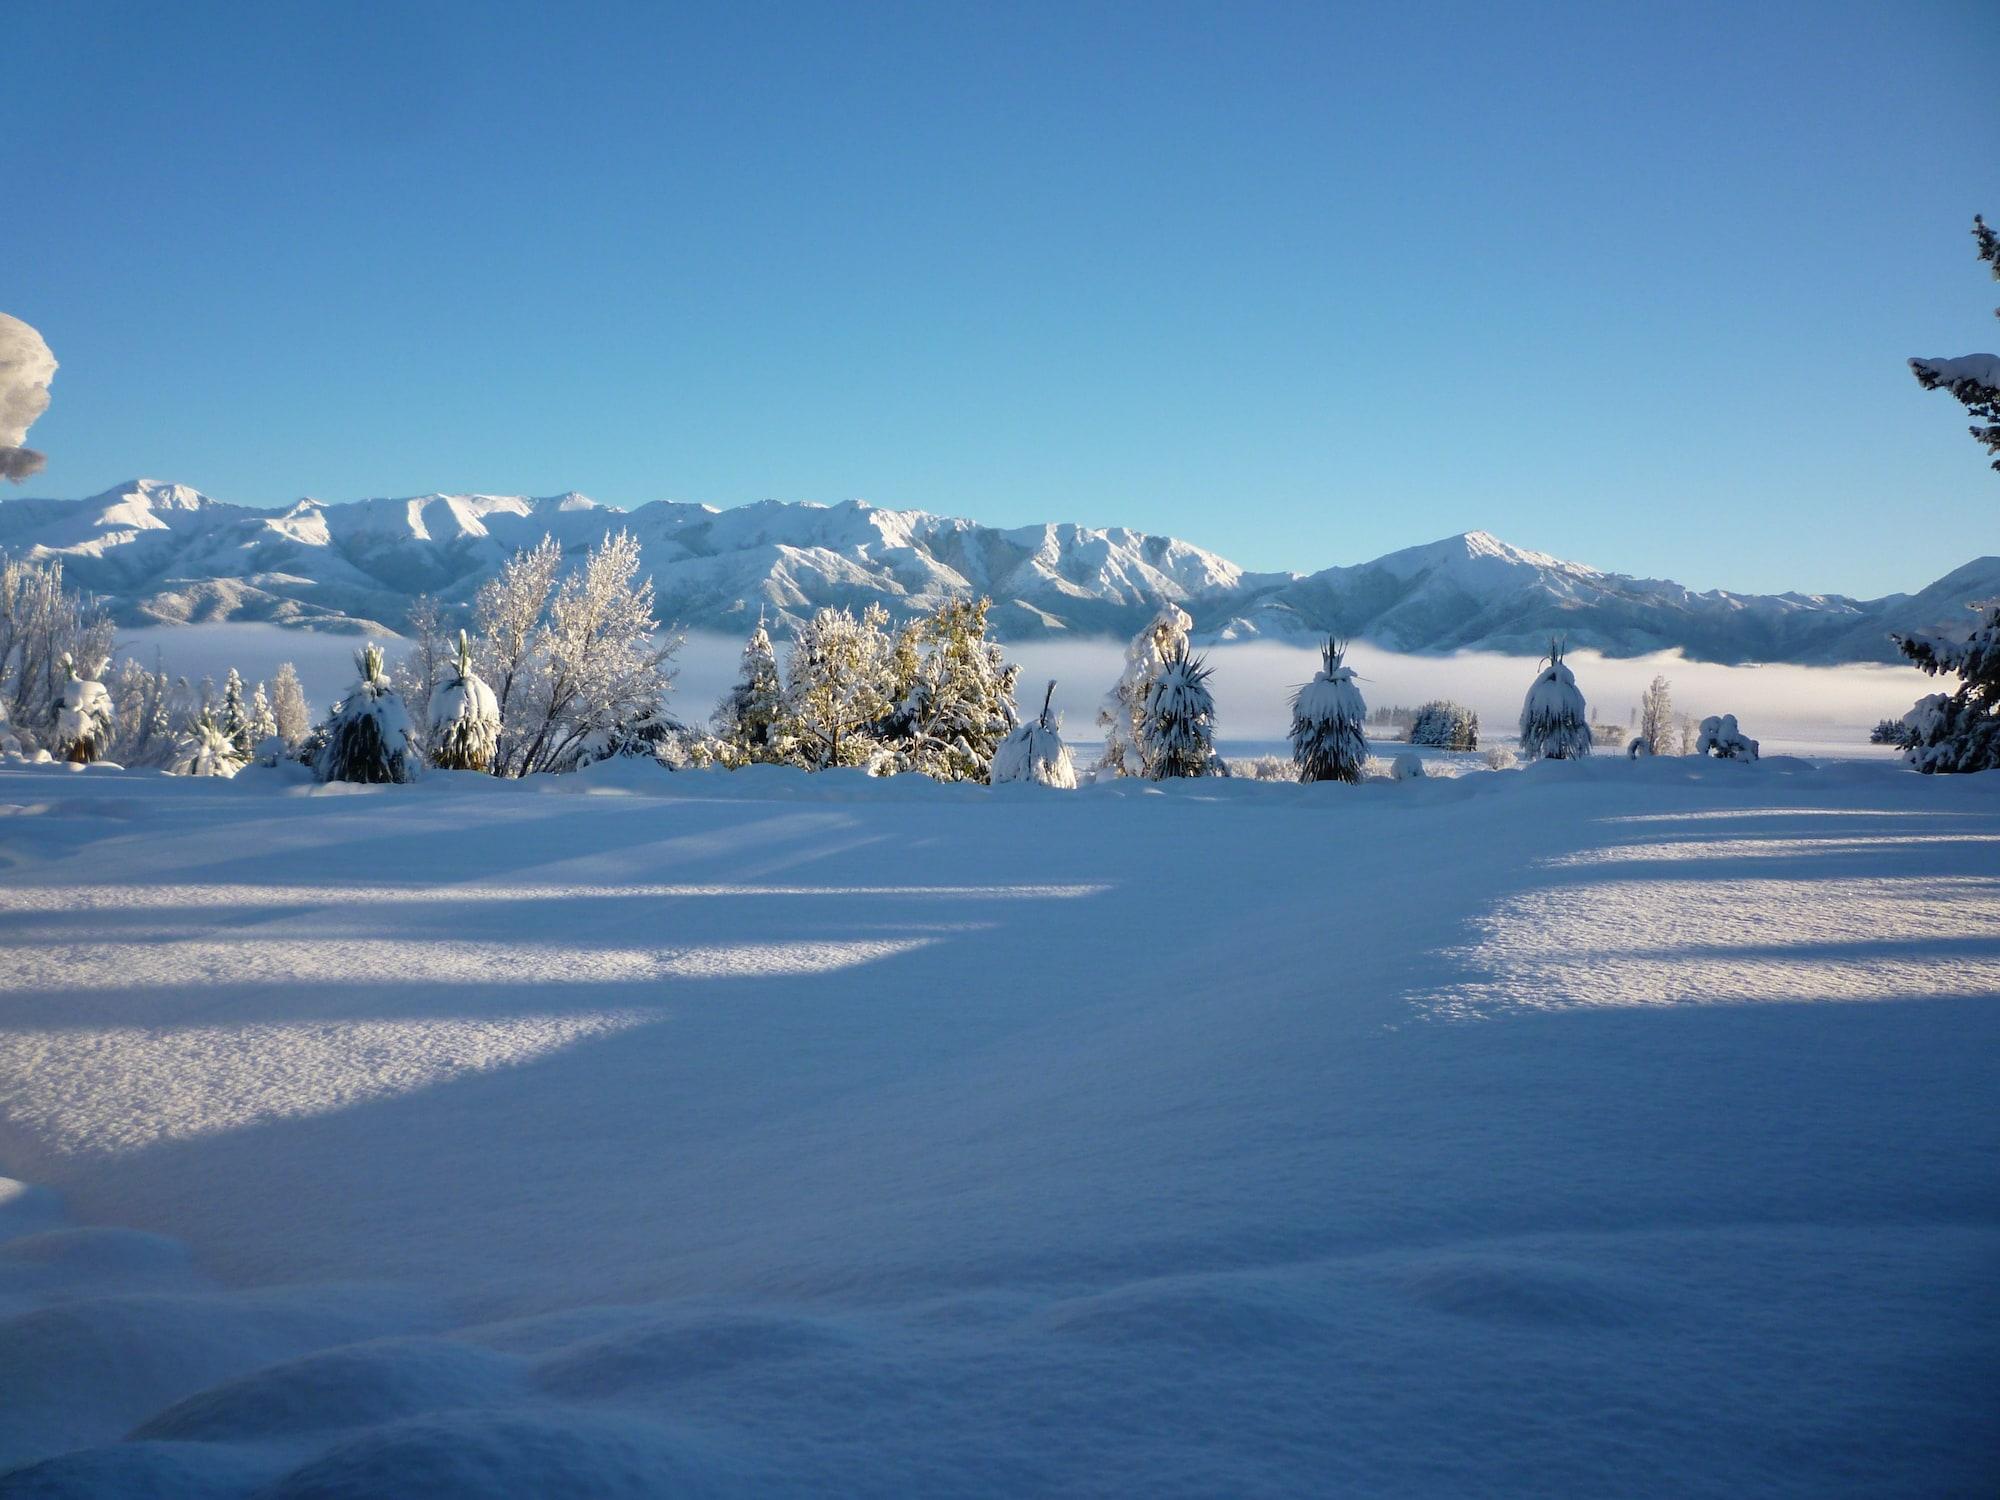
(234, 717)
(263, 723)
(288, 706)
(1445, 725)
(1555, 725)
(1973, 379)
(1329, 742)
(85, 721)
(1124, 709)
(368, 737)
(465, 727)
(955, 695)
(1178, 725)
(838, 676)
(1035, 752)
(746, 720)
(1957, 731)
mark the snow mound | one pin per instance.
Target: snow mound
(662, 1353)
(1526, 1290)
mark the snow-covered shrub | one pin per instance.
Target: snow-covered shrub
(1721, 738)
(1328, 740)
(952, 696)
(1122, 716)
(1262, 768)
(1177, 732)
(85, 720)
(270, 751)
(1445, 725)
(1959, 731)
(838, 684)
(1407, 767)
(1639, 746)
(1555, 724)
(206, 750)
(1972, 379)
(369, 737)
(746, 720)
(1035, 752)
(1501, 758)
(465, 717)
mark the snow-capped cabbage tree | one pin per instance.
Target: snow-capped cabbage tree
(1973, 379)
(207, 750)
(1329, 740)
(954, 695)
(746, 720)
(85, 719)
(1721, 738)
(1124, 710)
(1957, 731)
(1034, 751)
(1177, 728)
(1445, 725)
(838, 682)
(1555, 723)
(465, 717)
(369, 736)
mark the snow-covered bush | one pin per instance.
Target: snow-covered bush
(1122, 716)
(1262, 768)
(369, 737)
(85, 720)
(1640, 746)
(746, 720)
(206, 750)
(1177, 731)
(1555, 724)
(1407, 767)
(1972, 379)
(1445, 725)
(1721, 738)
(1501, 758)
(952, 696)
(1328, 740)
(1035, 752)
(465, 717)
(1959, 731)
(838, 685)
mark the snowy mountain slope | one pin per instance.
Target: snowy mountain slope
(164, 553)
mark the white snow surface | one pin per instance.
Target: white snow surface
(1601, 1127)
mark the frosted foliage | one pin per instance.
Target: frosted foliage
(1329, 740)
(43, 622)
(1035, 752)
(369, 736)
(288, 705)
(1721, 738)
(85, 720)
(954, 695)
(1958, 731)
(1555, 723)
(1446, 725)
(465, 717)
(1123, 713)
(838, 681)
(207, 751)
(1178, 728)
(746, 720)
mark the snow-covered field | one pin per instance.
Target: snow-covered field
(1606, 1128)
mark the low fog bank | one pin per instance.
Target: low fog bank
(1824, 708)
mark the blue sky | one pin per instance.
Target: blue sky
(1301, 283)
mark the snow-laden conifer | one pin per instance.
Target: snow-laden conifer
(1958, 731)
(1555, 724)
(206, 749)
(1721, 738)
(746, 720)
(233, 717)
(465, 717)
(1177, 729)
(263, 723)
(954, 695)
(1329, 739)
(1034, 751)
(1123, 713)
(369, 737)
(85, 720)
(1972, 379)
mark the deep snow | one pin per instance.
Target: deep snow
(1599, 1128)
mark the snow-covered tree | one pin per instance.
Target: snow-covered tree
(1555, 724)
(954, 692)
(1973, 379)
(1034, 751)
(43, 620)
(838, 678)
(86, 720)
(746, 720)
(369, 736)
(288, 705)
(508, 612)
(233, 717)
(1177, 728)
(1329, 741)
(1957, 731)
(1124, 709)
(263, 723)
(429, 657)
(207, 750)
(1656, 718)
(1445, 725)
(145, 733)
(1721, 738)
(465, 721)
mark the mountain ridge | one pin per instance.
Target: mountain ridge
(164, 553)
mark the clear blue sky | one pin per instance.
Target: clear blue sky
(1302, 283)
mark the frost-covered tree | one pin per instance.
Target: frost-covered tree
(429, 657)
(263, 723)
(746, 720)
(1034, 751)
(86, 720)
(954, 695)
(838, 680)
(1555, 723)
(288, 705)
(1656, 718)
(1177, 727)
(369, 737)
(207, 750)
(1960, 730)
(507, 613)
(1721, 738)
(465, 717)
(43, 620)
(1329, 739)
(145, 733)
(1973, 379)
(1124, 709)
(233, 716)
(1445, 725)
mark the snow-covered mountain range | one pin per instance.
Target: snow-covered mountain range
(165, 553)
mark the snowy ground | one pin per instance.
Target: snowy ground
(1601, 1129)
